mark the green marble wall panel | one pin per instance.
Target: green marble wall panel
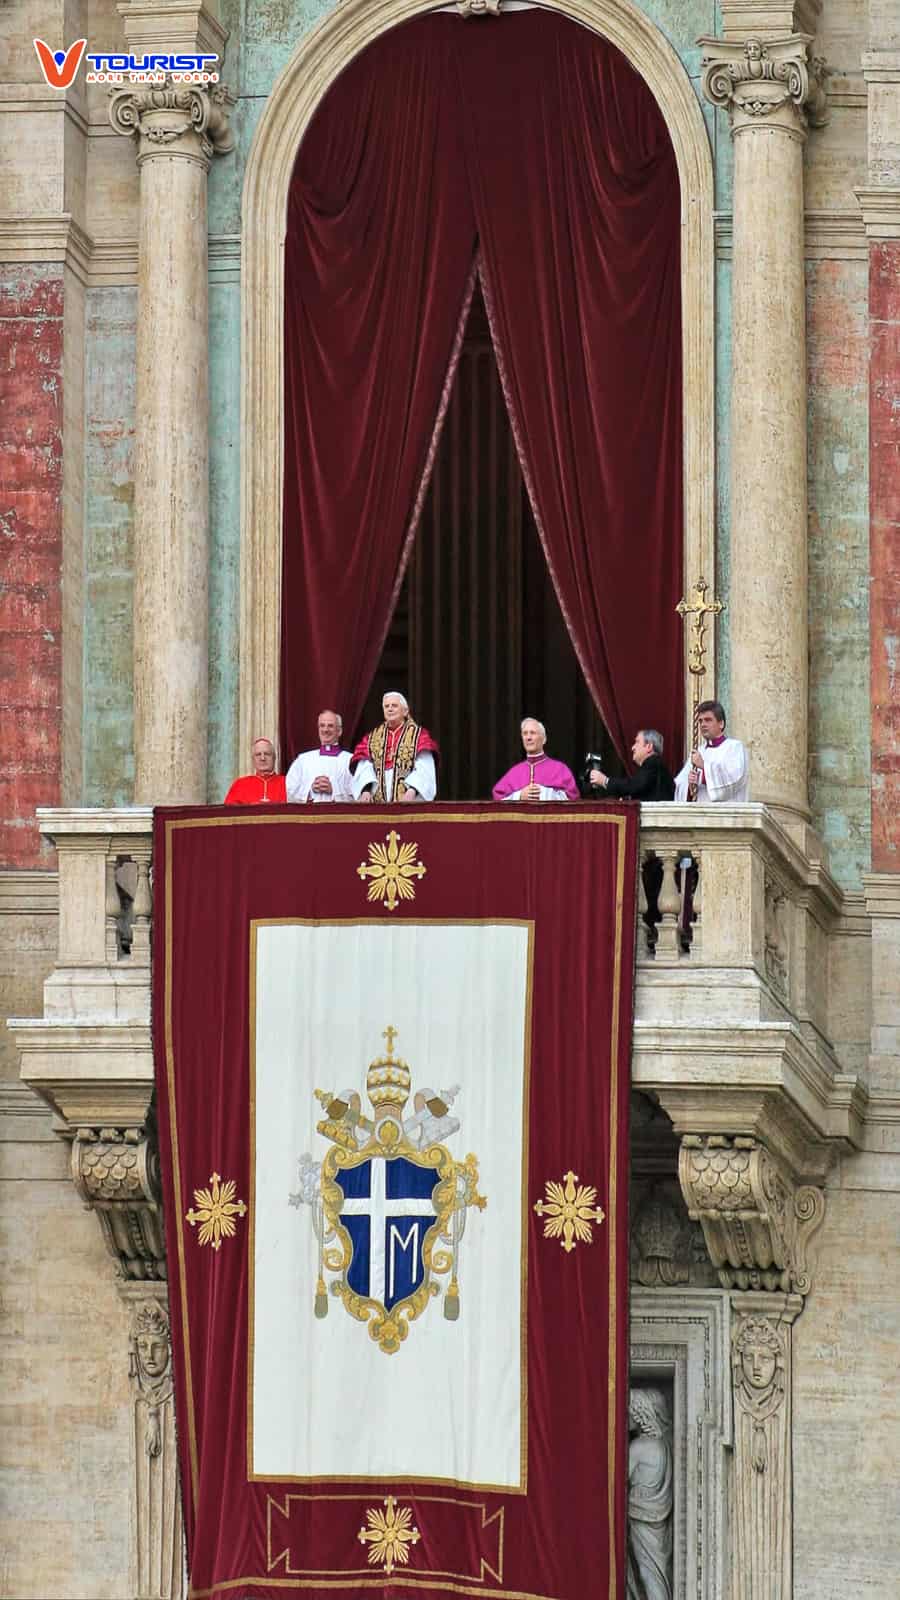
(224, 529)
(111, 320)
(837, 357)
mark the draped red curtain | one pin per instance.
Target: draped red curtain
(535, 142)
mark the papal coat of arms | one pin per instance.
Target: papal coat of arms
(388, 1202)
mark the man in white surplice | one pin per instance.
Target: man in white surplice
(719, 770)
(322, 774)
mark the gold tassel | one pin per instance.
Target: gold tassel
(320, 1305)
(451, 1302)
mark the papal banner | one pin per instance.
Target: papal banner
(392, 1053)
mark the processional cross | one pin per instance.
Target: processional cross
(699, 608)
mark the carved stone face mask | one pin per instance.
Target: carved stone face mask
(153, 1354)
(758, 1365)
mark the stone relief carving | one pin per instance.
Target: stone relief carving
(478, 8)
(760, 1360)
(163, 114)
(651, 1496)
(755, 79)
(116, 1172)
(667, 1248)
(756, 1223)
(159, 1536)
(777, 938)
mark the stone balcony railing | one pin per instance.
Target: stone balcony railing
(732, 1031)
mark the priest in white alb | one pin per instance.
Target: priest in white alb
(323, 774)
(396, 761)
(719, 771)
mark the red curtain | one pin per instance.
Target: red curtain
(533, 139)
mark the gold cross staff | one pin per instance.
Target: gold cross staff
(699, 608)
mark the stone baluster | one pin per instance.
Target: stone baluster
(772, 89)
(142, 911)
(644, 942)
(178, 128)
(697, 924)
(113, 912)
(668, 939)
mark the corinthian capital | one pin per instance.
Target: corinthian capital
(773, 82)
(756, 1221)
(174, 119)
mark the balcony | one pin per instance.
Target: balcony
(740, 999)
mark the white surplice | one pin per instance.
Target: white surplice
(422, 777)
(313, 764)
(725, 776)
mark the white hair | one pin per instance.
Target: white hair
(396, 695)
(537, 725)
(264, 739)
(337, 717)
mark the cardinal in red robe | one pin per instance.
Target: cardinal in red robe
(263, 783)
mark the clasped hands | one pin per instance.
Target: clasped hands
(410, 798)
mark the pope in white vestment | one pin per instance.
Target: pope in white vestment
(720, 764)
(322, 775)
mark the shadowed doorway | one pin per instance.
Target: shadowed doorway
(477, 640)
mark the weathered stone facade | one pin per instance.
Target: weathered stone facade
(766, 1147)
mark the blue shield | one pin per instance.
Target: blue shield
(387, 1212)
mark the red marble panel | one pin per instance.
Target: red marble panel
(31, 355)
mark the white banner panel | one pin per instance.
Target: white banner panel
(326, 1400)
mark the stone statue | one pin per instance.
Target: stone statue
(650, 1496)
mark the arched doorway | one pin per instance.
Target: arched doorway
(318, 60)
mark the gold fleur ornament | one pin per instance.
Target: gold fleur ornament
(568, 1209)
(216, 1211)
(389, 1535)
(390, 871)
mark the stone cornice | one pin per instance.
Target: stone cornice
(881, 66)
(759, 1079)
(764, 19)
(31, 893)
(173, 26)
(51, 238)
(91, 1073)
(880, 212)
(770, 83)
(102, 262)
(829, 235)
(882, 892)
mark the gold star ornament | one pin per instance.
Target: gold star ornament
(390, 870)
(389, 1535)
(216, 1211)
(568, 1209)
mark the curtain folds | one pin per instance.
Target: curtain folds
(534, 142)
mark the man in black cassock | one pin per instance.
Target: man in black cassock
(652, 781)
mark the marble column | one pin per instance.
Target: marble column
(178, 128)
(771, 90)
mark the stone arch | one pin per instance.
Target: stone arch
(318, 60)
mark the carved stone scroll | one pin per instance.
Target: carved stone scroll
(182, 119)
(158, 1525)
(116, 1172)
(756, 1222)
